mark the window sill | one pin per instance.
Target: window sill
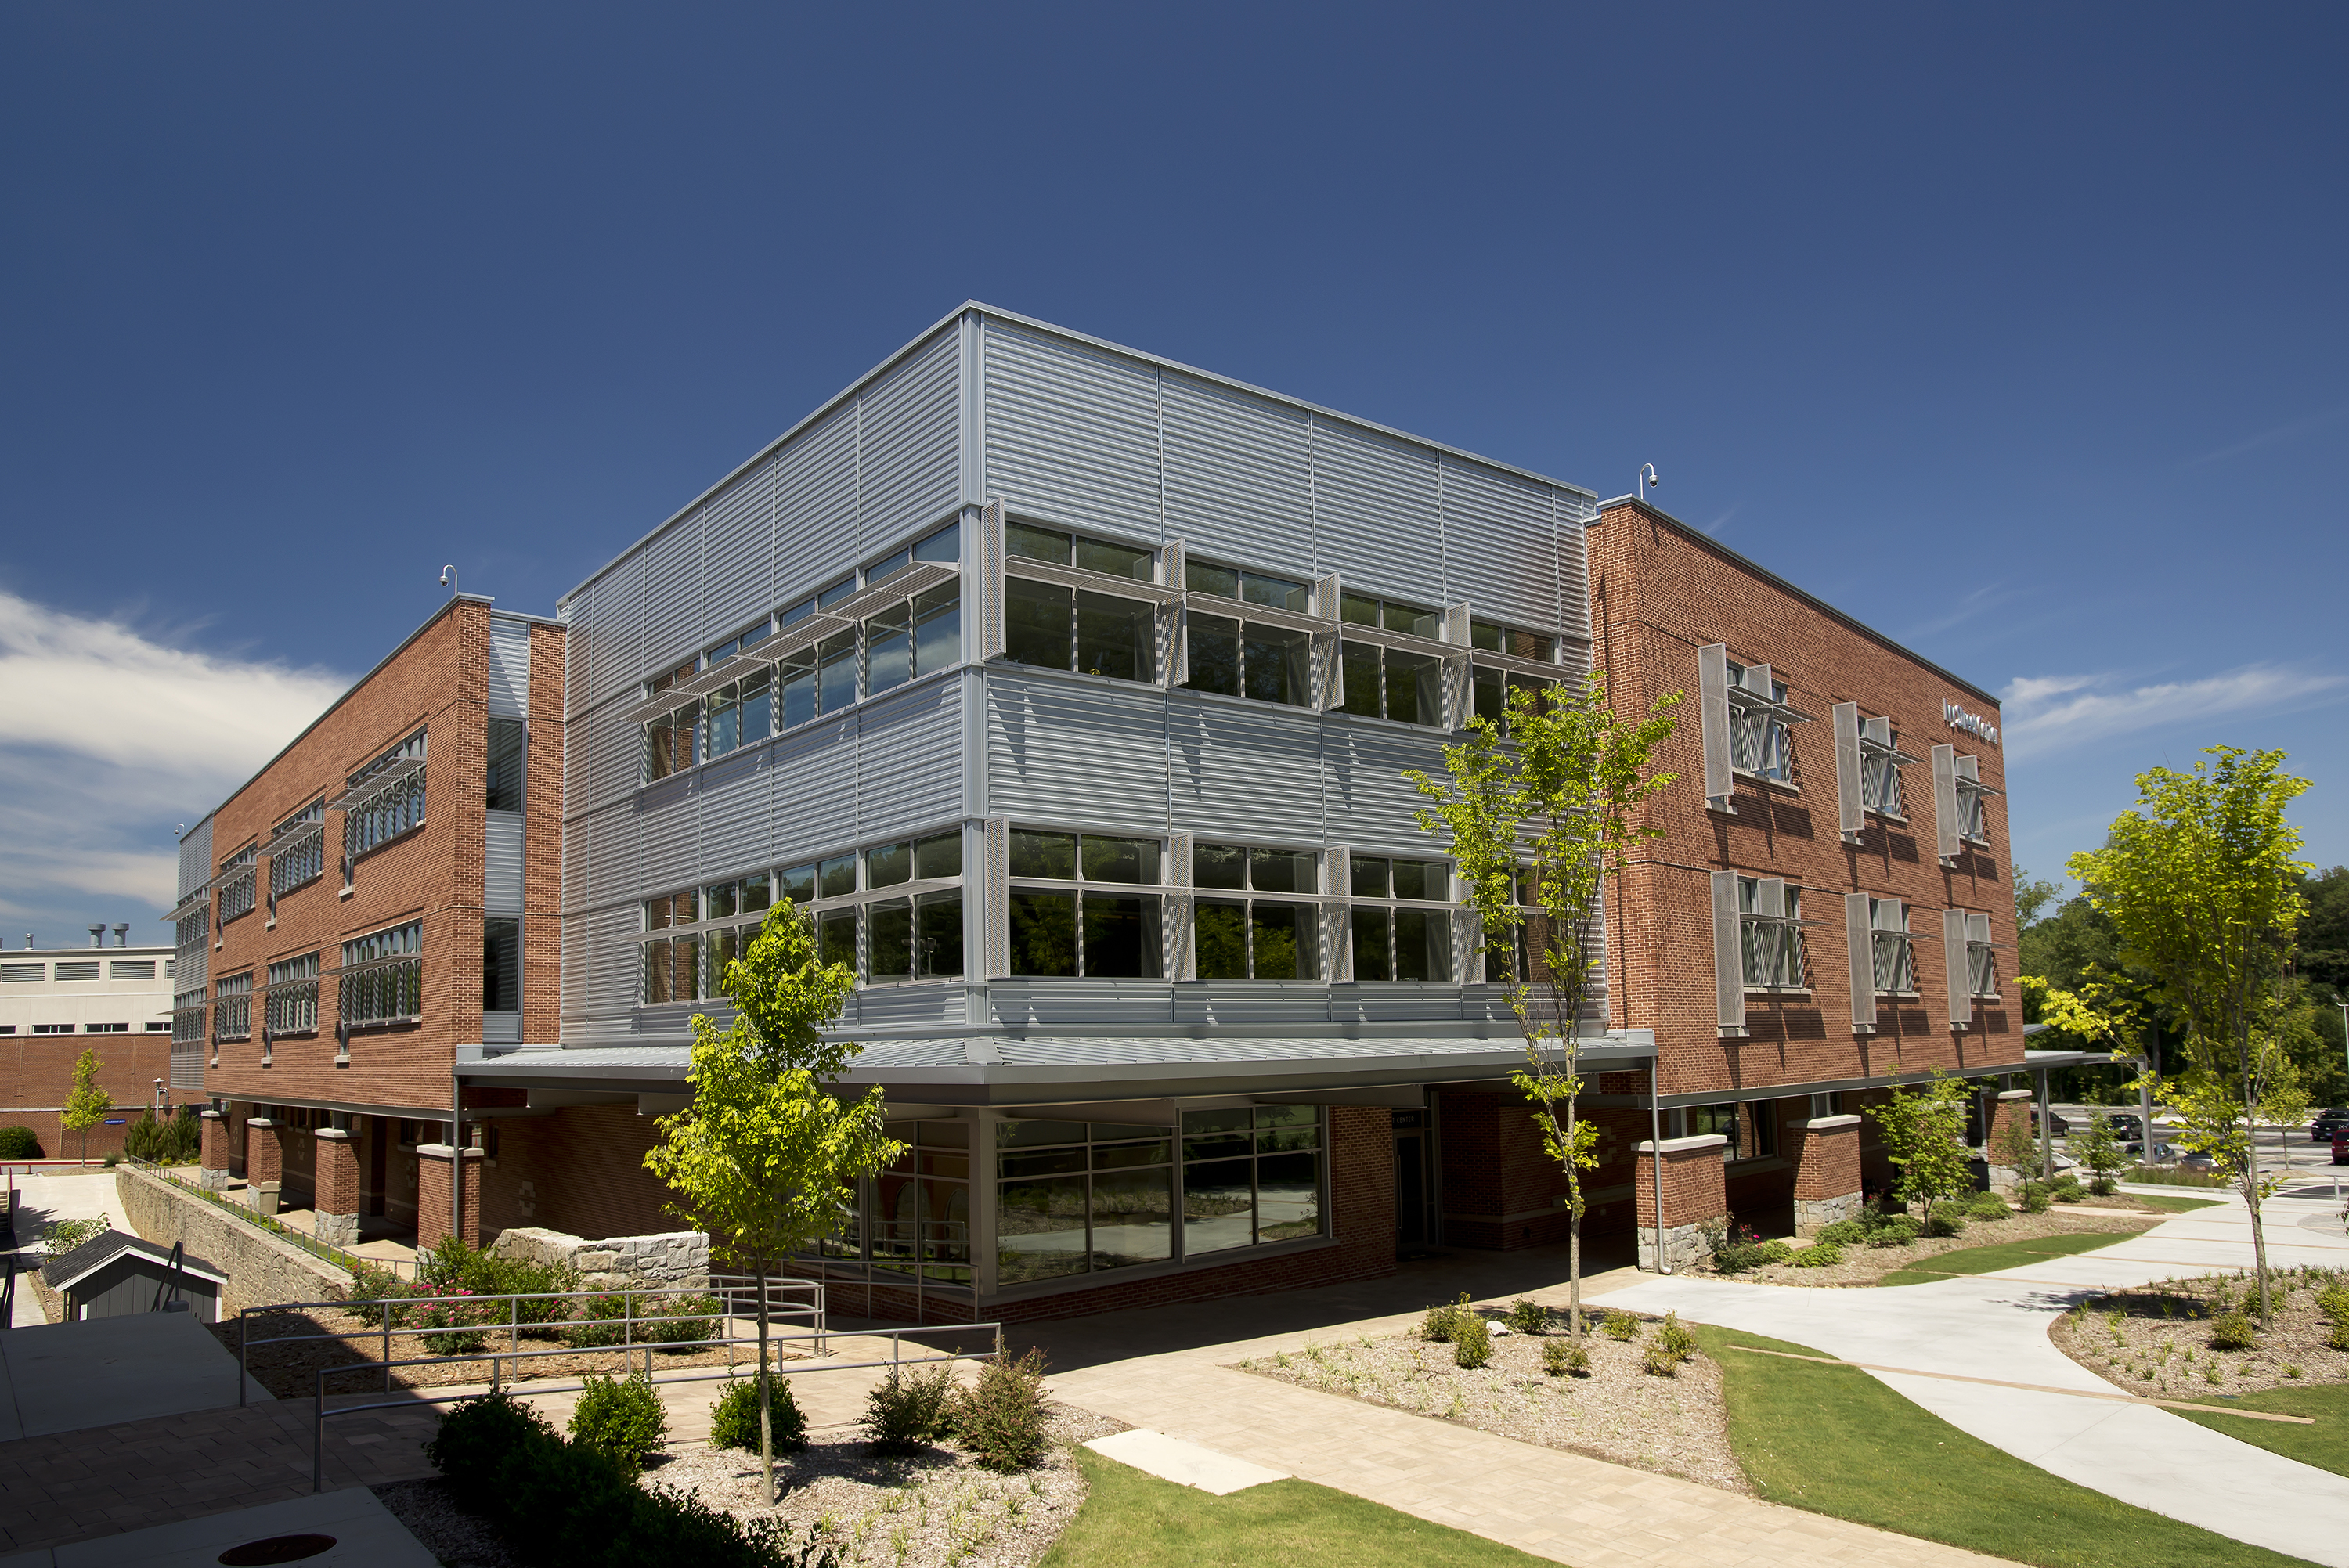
(1800, 993)
(1900, 995)
(1889, 816)
(1765, 782)
(398, 838)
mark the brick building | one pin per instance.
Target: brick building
(58, 1002)
(1069, 690)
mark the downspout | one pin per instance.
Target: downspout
(456, 1157)
(1656, 1151)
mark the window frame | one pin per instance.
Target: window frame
(1770, 942)
(1151, 893)
(1899, 942)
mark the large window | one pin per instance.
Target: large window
(1250, 1175)
(1974, 802)
(233, 1007)
(1397, 942)
(1390, 615)
(293, 1005)
(297, 851)
(188, 1016)
(1981, 958)
(501, 965)
(1751, 1136)
(236, 894)
(1895, 958)
(1075, 1198)
(502, 778)
(917, 937)
(1240, 657)
(1769, 919)
(1387, 683)
(1095, 929)
(1275, 938)
(387, 798)
(382, 977)
(918, 1209)
(1880, 758)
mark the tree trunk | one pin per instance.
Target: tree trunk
(2251, 1201)
(1574, 1264)
(765, 1419)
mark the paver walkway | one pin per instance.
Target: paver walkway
(1995, 1325)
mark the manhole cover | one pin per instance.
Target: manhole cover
(276, 1549)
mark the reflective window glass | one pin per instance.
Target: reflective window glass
(1218, 866)
(889, 940)
(1372, 932)
(1033, 543)
(1117, 637)
(1281, 871)
(1043, 935)
(836, 672)
(1116, 560)
(1052, 855)
(836, 937)
(1120, 937)
(937, 628)
(1358, 679)
(796, 883)
(1038, 628)
(1200, 577)
(721, 897)
(1367, 878)
(886, 865)
(1220, 940)
(937, 856)
(945, 546)
(1357, 610)
(1120, 860)
(1282, 941)
(1424, 880)
(1212, 653)
(756, 896)
(836, 877)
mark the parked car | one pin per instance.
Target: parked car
(2056, 1126)
(2162, 1152)
(2327, 1123)
(2341, 1147)
(2198, 1162)
(2125, 1125)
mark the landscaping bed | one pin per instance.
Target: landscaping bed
(1671, 1425)
(2156, 1339)
(1864, 1263)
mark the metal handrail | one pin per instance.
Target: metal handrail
(896, 1363)
(726, 1288)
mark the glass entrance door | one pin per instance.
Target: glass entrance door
(1412, 1228)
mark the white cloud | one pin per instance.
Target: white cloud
(108, 739)
(2046, 714)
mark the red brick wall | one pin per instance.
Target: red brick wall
(579, 1171)
(434, 1172)
(265, 1152)
(338, 1180)
(1660, 595)
(1694, 1189)
(37, 1070)
(1826, 1163)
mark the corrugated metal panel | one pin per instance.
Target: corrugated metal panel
(1239, 476)
(1375, 513)
(509, 666)
(501, 863)
(1061, 751)
(1369, 802)
(911, 1006)
(815, 801)
(611, 763)
(909, 760)
(1071, 432)
(909, 445)
(737, 575)
(195, 858)
(1246, 770)
(607, 991)
(668, 838)
(607, 646)
(735, 813)
(1262, 1005)
(1499, 549)
(673, 567)
(815, 506)
(1106, 1004)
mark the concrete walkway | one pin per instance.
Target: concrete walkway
(1995, 1325)
(365, 1535)
(41, 1202)
(66, 1376)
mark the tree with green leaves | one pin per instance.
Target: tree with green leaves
(1535, 823)
(766, 1157)
(87, 1102)
(2102, 1153)
(1925, 1139)
(2201, 884)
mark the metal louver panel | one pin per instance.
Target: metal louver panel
(909, 444)
(1239, 476)
(815, 535)
(1070, 430)
(1713, 708)
(1851, 815)
(508, 695)
(195, 861)
(1954, 969)
(1859, 947)
(1377, 518)
(1249, 773)
(987, 626)
(907, 748)
(737, 581)
(502, 862)
(1728, 961)
(1051, 745)
(1945, 803)
(1500, 548)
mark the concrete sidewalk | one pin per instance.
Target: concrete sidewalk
(1995, 1325)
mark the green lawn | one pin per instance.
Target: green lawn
(1136, 1521)
(2004, 1256)
(2170, 1204)
(1835, 1440)
(2324, 1445)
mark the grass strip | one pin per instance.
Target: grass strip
(1834, 1440)
(2175, 1205)
(2324, 1445)
(1134, 1520)
(2004, 1256)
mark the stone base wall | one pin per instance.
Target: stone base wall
(337, 1230)
(1684, 1245)
(1813, 1215)
(262, 1269)
(677, 1258)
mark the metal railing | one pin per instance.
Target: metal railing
(897, 1362)
(736, 1295)
(341, 1257)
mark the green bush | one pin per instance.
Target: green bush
(620, 1418)
(1896, 1231)
(1620, 1326)
(460, 1325)
(1471, 1341)
(2036, 1199)
(679, 1320)
(1988, 1206)
(1527, 1317)
(1558, 1356)
(1946, 1222)
(1002, 1420)
(1675, 1339)
(599, 1323)
(2234, 1331)
(2102, 1186)
(173, 1142)
(19, 1144)
(1819, 1255)
(67, 1234)
(374, 1282)
(450, 1266)
(1441, 1322)
(908, 1408)
(1658, 1362)
(1739, 1256)
(734, 1416)
(1843, 1234)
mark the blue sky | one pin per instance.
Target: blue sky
(2016, 332)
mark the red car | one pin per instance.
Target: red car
(2341, 1147)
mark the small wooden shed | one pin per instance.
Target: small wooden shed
(115, 1275)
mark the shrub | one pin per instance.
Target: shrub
(682, 1320)
(1471, 1341)
(19, 1144)
(1441, 1322)
(2102, 1186)
(734, 1416)
(2234, 1331)
(1656, 1362)
(908, 1408)
(173, 1142)
(1988, 1206)
(67, 1234)
(1739, 1256)
(112, 1159)
(460, 1323)
(1843, 1234)
(450, 1266)
(1945, 1222)
(2036, 1199)
(599, 1323)
(1526, 1316)
(620, 1418)
(1896, 1231)
(1557, 1359)
(1620, 1326)
(1675, 1339)
(1001, 1419)
(1822, 1254)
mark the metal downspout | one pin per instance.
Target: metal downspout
(1656, 1151)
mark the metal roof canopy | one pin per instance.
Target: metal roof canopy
(2034, 1061)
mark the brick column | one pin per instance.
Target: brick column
(436, 1167)
(1826, 1174)
(336, 1204)
(1695, 1196)
(217, 1147)
(2012, 1105)
(265, 1164)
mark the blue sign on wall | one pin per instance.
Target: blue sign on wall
(115, 1120)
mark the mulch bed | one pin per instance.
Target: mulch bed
(290, 1371)
(2156, 1339)
(1673, 1426)
(1864, 1265)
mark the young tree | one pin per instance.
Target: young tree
(88, 1103)
(1925, 1136)
(2101, 1152)
(2200, 882)
(765, 1157)
(1536, 824)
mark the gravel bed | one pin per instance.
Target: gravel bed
(932, 1510)
(2156, 1339)
(1673, 1426)
(430, 1511)
(1863, 1265)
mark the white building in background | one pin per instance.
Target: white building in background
(57, 1002)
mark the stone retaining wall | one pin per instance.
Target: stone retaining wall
(262, 1268)
(678, 1258)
